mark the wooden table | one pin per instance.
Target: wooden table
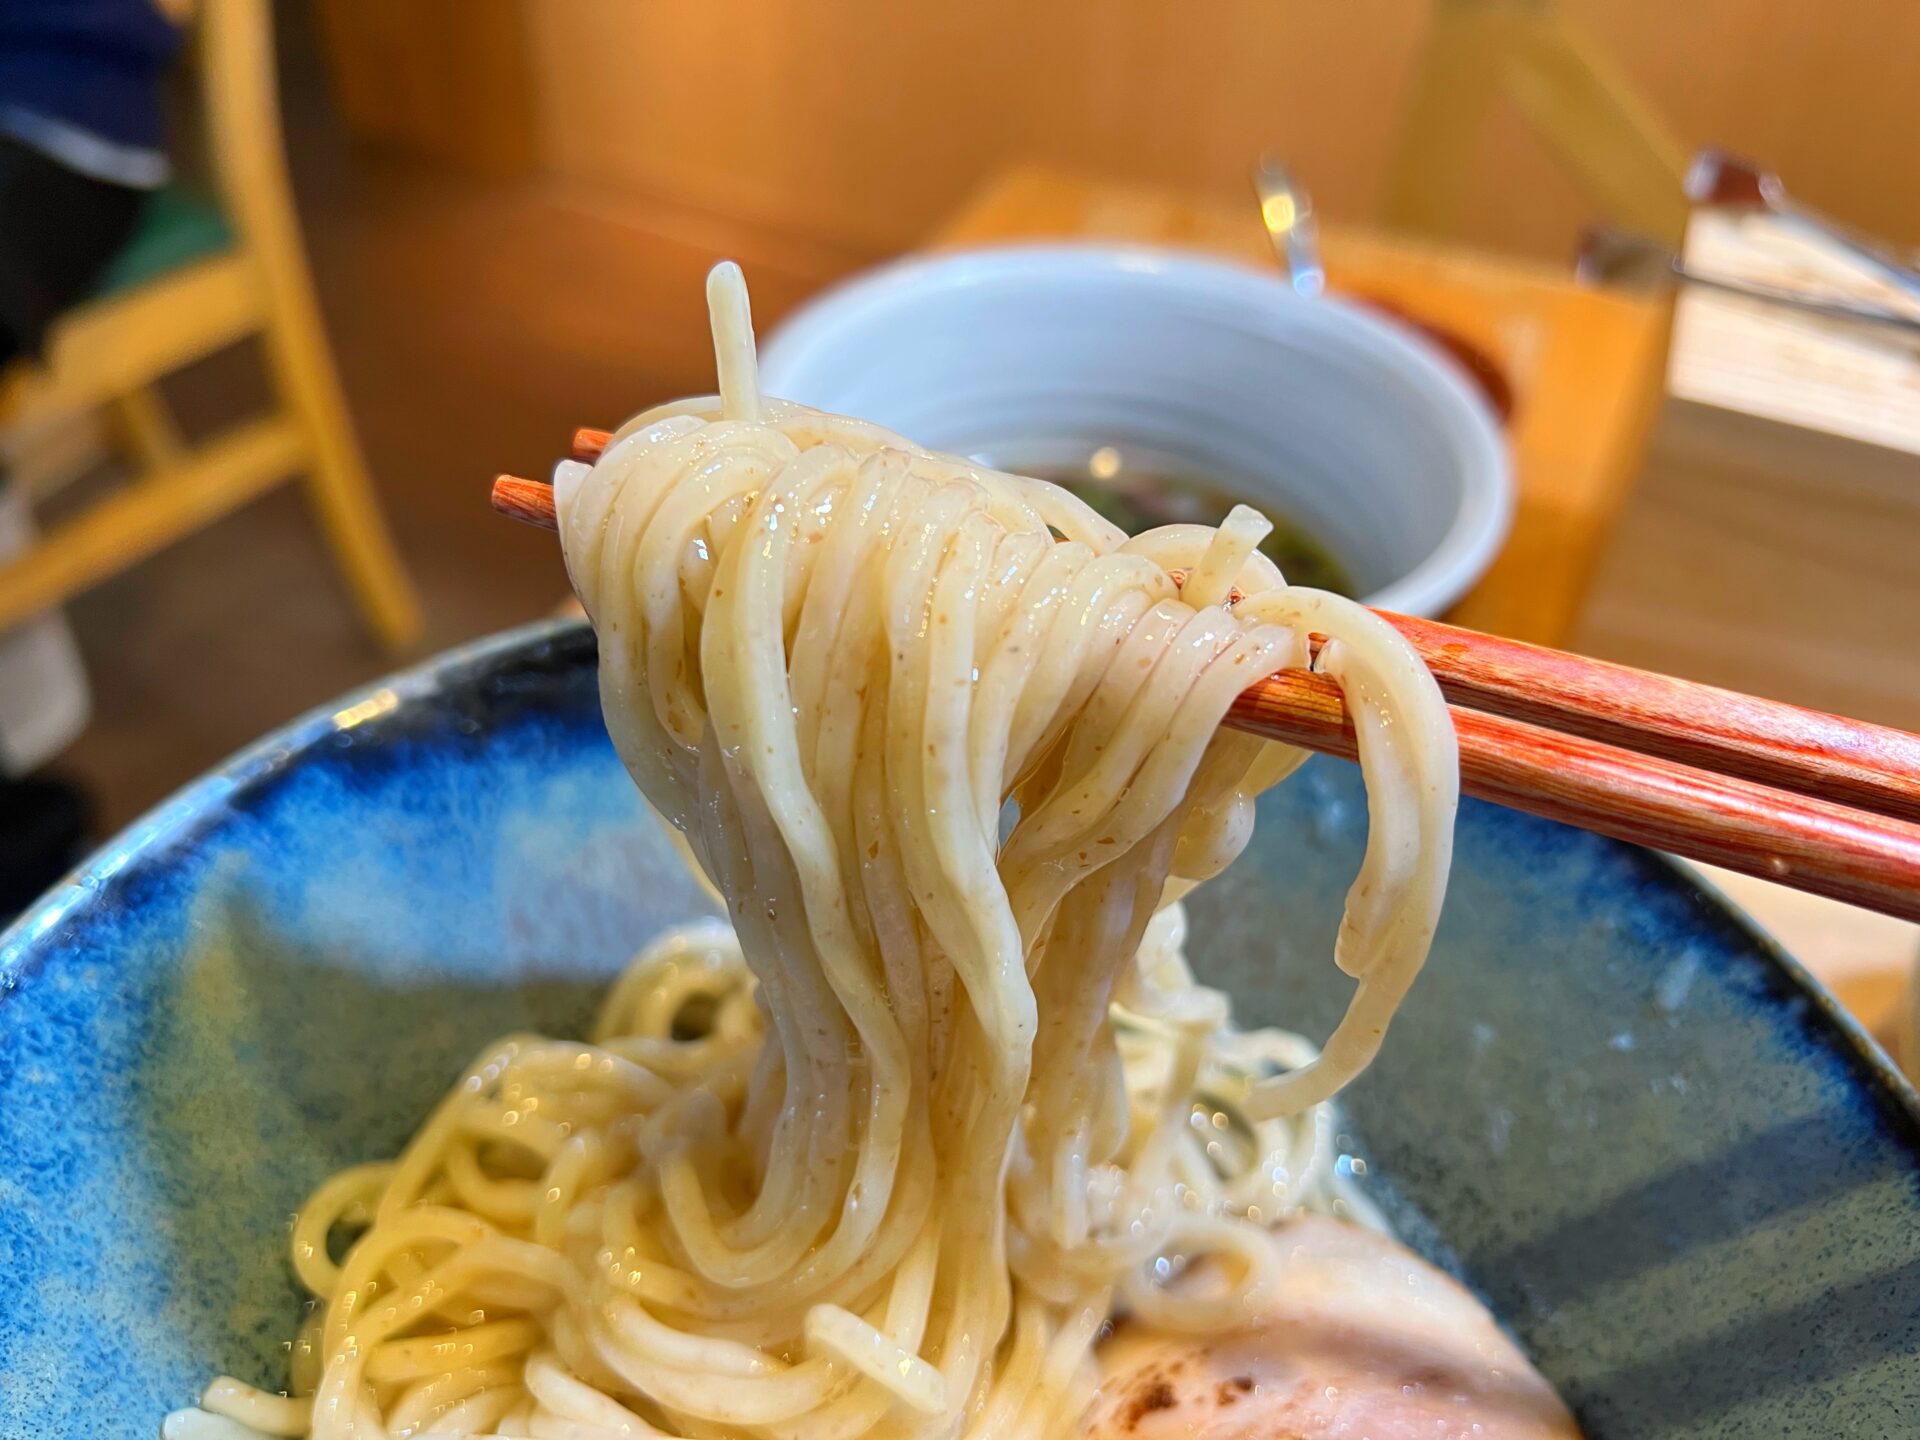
(1586, 366)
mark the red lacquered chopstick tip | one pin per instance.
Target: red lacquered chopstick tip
(527, 501)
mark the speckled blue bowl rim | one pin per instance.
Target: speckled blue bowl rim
(175, 819)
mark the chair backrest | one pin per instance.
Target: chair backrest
(240, 94)
(234, 74)
(1523, 52)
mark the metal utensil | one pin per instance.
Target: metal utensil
(1717, 178)
(1610, 254)
(1287, 212)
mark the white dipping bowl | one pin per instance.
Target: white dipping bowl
(1340, 420)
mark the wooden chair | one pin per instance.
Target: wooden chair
(1523, 53)
(110, 352)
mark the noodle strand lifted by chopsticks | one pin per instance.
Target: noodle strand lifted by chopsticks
(883, 1157)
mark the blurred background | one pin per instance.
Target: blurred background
(489, 219)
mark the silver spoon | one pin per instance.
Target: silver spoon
(1287, 212)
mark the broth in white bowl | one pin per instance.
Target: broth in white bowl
(1341, 426)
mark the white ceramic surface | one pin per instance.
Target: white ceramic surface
(1339, 419)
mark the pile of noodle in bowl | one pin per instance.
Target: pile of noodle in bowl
(883, 1156)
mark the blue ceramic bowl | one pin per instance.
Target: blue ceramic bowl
(1688, 1185)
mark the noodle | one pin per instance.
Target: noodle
(884, 1156)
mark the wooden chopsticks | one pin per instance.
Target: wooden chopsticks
(1818, 802)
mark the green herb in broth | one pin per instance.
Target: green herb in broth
(1138, 500)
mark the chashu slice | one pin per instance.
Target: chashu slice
(1365, 1340)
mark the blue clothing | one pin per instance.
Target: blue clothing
(88, 66)
(82, 135)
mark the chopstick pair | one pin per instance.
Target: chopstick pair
(1814, 801)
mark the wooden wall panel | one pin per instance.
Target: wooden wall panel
(862, 121)
(447, 79)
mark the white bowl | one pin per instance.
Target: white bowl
(1340, 420)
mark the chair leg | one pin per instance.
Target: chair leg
(248, 160)
(338, 487)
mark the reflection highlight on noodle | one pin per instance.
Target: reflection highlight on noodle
(888, 1153)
